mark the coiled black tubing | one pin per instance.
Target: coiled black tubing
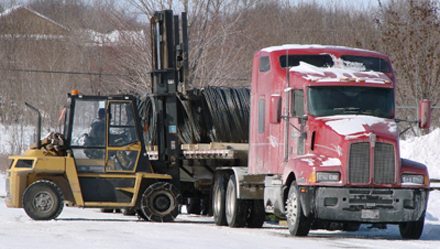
(212, 114)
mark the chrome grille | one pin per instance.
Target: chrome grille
(384, 165)
(359, 163)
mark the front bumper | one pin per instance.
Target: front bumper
(368, 205)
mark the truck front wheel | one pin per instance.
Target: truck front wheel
(236, 209)
(298, 223)
(412, 230)
(43, 200)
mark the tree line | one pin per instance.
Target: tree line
(223, 37)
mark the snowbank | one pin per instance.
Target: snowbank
(424, 149)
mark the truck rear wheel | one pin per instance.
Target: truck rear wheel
(236, 209)
(298, 223)
(412, 230)
(160, 202)
(218, 200)
(43, 200)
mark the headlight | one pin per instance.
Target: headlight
(327, 177)
(413, 179)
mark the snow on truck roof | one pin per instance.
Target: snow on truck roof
(339, 73)
(308, 46)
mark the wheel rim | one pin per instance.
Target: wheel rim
(292, 208)
(163, 202)
(43, 202)
(230, 200)
(217, 200)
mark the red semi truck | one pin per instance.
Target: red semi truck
(324, 146)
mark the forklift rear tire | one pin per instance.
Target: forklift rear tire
(218, 200)
(107, 210)
(128, 211)
(236, 209)
(43, 200)
(193, 205)
(160, 202)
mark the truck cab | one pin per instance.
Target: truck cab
(324, 143)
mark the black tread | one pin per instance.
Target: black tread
(39, 187)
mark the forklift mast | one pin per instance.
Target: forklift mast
(169, 78)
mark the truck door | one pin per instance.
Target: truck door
(296, 143)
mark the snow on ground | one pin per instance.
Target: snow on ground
(89, 228)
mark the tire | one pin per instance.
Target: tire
(351, 227)
(193, 205)
(235, 209)
(140, 214)
(256, 215)
(106, 210)
(218, 200)
(206, 207)
(128, 212)
(298, 223)
(412, 230)
(160, 202)
(43, 200)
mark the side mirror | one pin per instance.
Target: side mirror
(275, 109)
(424, 114)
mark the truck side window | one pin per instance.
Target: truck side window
(264, 64)
(261, 116)
(297, 103)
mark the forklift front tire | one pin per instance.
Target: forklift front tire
(43, 200)
(160, 202)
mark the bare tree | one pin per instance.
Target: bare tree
(410, 32)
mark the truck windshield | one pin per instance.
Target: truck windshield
(346, 100)
(363, 63)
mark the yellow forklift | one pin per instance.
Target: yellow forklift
(100, 161)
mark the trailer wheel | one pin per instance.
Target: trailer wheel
(412, 230)
(257, 214)
(43, 200)
(160, 202)
(218, 200)
(298, 223)
(236, 209)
